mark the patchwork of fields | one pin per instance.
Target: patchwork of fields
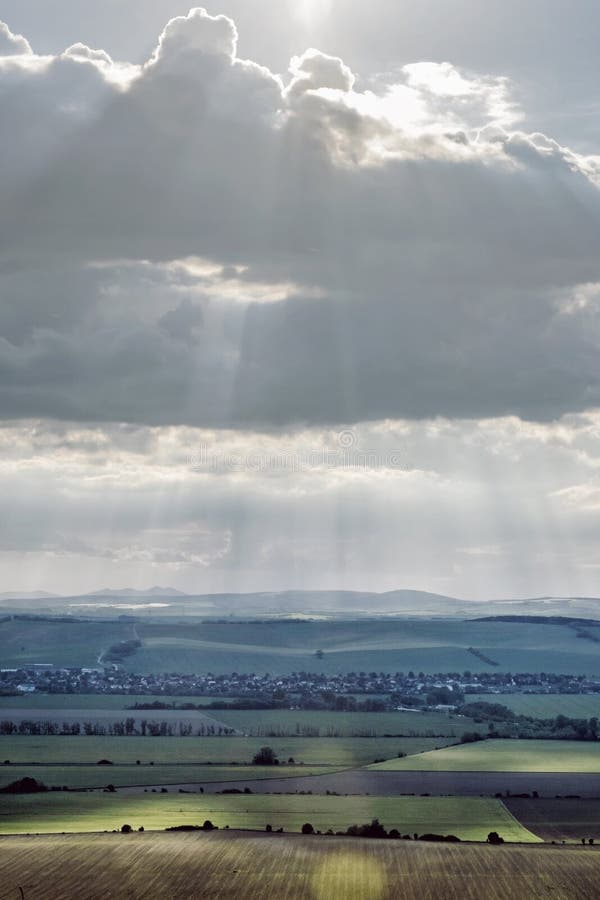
(269, 867)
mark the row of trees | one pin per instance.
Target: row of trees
(505, 723)
(375, 829)
(118, 728)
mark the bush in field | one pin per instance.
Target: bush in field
(25, 785)
(126, 829)
(374, 830)
(494, 838)
(208, 826)
(307, 828)
(471, 737)
(265, 757)
(440, 838)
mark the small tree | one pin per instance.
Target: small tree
(265, 757)
(494, 838)
(307, 828)
(126, 829)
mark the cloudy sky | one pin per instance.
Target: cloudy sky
(300, 295)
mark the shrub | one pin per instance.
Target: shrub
(126, 829)
(494, 838)
(104, 762)
(269, 828)
(471, 737)
(25, 785)
(265, 757)
(208, 826)
(307, 828)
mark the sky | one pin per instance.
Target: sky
(300, 295)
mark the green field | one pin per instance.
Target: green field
(236, 866)
(545, 706)
(468, 818)
(74, 776)
(27, 641)
(391, 645)
(115, 702)
(340, 752)
(504, 756)
(269, 722)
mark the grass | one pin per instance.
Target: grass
(74, 776)
(380, 644)
(545, 706)
(468, 818)
(341, 752)
(27, 641)
(273, 721)
(271, 867)
(115, 702)
(504, 756)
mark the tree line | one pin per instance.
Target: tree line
(118, 728)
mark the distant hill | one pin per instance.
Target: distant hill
(167, 601)
(132, 592)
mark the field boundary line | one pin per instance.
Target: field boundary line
(511, 815)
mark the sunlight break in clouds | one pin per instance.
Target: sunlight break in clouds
(197, 250)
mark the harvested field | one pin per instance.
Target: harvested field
(261, 867)
(559, 819)
(461, 784)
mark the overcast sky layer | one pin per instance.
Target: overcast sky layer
(274, 316)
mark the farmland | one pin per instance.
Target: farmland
(558, 819)
(342, 752)
(269, 867)
(258, 723)
(285, 647)
(470, 818)
(32, 704)
(76, 777)
(545, 706)
(505, 756)
(271, 722)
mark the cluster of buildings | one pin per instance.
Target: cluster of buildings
(406, 688)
